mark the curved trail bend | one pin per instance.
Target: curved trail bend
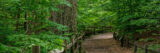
(103, 43)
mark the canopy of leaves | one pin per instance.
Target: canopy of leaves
(134, 16)
(92, 14)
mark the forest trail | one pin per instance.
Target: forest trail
(103, 43)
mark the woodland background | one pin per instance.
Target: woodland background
(25, 23)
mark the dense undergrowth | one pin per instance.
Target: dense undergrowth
(20, 43)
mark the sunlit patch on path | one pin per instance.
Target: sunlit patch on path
(103, 43)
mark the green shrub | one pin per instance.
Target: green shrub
(24, 43)
(154, 47)
(146, 40)
(7, 49)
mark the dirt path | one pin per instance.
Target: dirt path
(103, 43)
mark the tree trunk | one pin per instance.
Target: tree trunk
(67, 16)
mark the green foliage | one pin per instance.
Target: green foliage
(24, 23)
(92, 14)
(140, 50)
(146, 40)
(8, 49)
(153, 47)
(134, 16)
(35, 13)
(48, 42)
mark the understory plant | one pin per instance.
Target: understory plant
(20, 43)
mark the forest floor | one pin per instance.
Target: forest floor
(103, 43)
